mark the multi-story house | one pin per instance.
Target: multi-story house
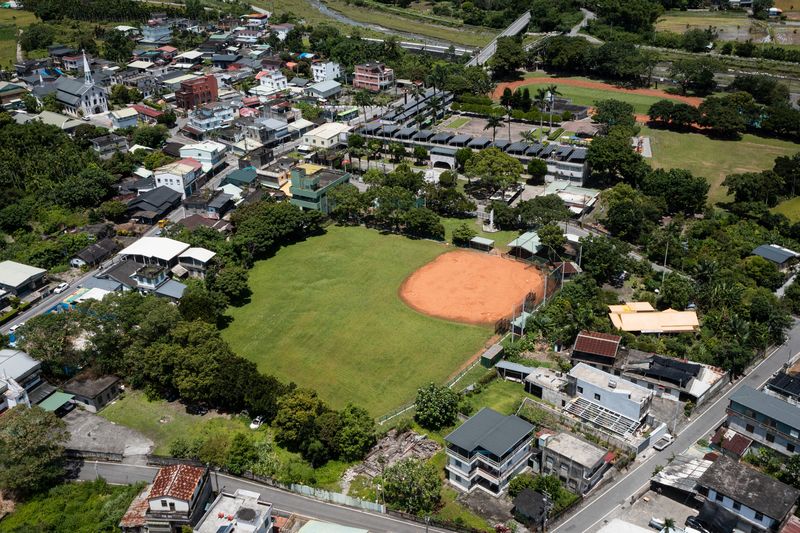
(488, 450)
(596, 349)
(326, 71)
(211, 117)
(108, 145)
(272, 81)
(210, 154)
(267, 131)
(248, 36)
(578, 463)
(311, 191)
(281, 30)
(243, 508)
(184, 176)
(76, 62)
(177, 498)
(156, 33)
(759, 502)
(256, 21)
(769, 421)
(373, 76)
(197, 92)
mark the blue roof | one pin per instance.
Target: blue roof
(768, 406)
(105, 284)
(774, 253)
(171, 289)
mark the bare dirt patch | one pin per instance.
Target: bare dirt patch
(470, 287)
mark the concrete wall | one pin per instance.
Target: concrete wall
(759, 434)
(613, 399)
(745, 512)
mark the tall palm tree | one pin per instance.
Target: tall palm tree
(553, 90)
(363, 100)
(541, 100)
(493, 122)
(528, 136)
(438, 76)
(417, 92)
(435, 106)
(669, 525)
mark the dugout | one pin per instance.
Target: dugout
(491, 356)
(479, 243)
(525, 246)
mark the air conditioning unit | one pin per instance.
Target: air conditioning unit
(612, 384)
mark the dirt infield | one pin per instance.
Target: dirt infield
(691, 100)
(470, 287)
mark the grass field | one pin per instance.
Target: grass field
(715, 159)
(587, 96)
(11, 20)
(325, 314)
(458, 123)
(791, 209)
(501, 238)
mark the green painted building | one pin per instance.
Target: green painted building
(311, 191)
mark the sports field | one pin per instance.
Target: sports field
(325, 313)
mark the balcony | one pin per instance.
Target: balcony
(755, 422)
(485, 458)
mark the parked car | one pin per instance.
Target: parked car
(61, 287)
(657, 523)
(663, 442)
(255, 424)
(171, 397)
(64, 409)
(200, 410)
(694, 523)
(15, 327)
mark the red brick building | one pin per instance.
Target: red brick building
(373, 76)
(197, 92)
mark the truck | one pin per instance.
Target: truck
(663, 442)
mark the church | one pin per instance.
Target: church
(78, 97)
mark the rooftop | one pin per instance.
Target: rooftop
(579, 450)
(601, 379)
(490, 431)
(775, 253)
(786, 384)
(770, 406)
(329, 130)
(531, 503)
(158, 247)
(13, 274)
(135, 515)
(733, 441)
(87, 386)
(547, 377)
(178, 481)
(669, 321)
(749, 487)
(201, 254)
(17, 364)
(597, 343)
(243, 509)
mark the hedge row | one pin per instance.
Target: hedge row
(479, 100)
(556, 134)
(14, 312)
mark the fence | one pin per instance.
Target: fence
(503, 325)
(444, 524)
(90, 454)
(163, 460)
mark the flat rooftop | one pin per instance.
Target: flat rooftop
(577, 449)
(246, 508)
(326, 177)
(546, 377)
(600, 379)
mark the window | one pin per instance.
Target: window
(171, 506)
(770, 422)
(749, 428)
(749, 413)
(759, 516)
(580, 390)
(458, 463)
(770, 437)
(790, 447)
(633, 381)
(563, 403)
(737, 506)
(597, 397)
(163, 503)
(719, 497)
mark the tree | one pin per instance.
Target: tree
(30, 103)
(542, 210)
(553, 236)
(495, 166)
(422, 222)
(761, 6)
(357, 434)
(150, 136)
(241, 454)
(614, 113)
(37, 36)
(493, 121)
(696, 40)
(297, 412)
(754, 186)
(680, 188)
(347, 202)
(625, 219)
(420, 153)
(602, 256)
(508, 57)
(363, 100)
(552, 89)
(436, 406)
(541, 102)
(676, 291)
(463, 234)
(723, 120)
(117, 46)
(614, 156)
(463, 155)
(412, 485)
(537, 168)
(697, 73)
(196, 303)
(232, 283)
(31, 450)
(50, 103)
(669, 525)
(397, 150)
(47, 339)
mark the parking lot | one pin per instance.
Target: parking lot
(91, 432)
(670, 503)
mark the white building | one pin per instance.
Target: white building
(182, 176)
(243, 510)
(272, 81)
(156, 33)
(78, 98)
(124, 117)
(210, 154)
(177, 498)
(211, 117)
(155, 251)
(327, 135)
(326, 71)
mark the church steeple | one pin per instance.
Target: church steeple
(86, 71)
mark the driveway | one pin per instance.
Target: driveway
(92, 432)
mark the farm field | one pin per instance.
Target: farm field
(11, 20)
(790, 208)
(325, 314)
(714, 159)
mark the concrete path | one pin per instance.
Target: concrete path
(574, 32)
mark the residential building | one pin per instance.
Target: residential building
(122, 118)
(108, 145)
(156, 33)
(150, 277)
(603, 400)
(93, 394)
(243, 511)
(768, 420)
(272, 81)
(155, 251)
(311, 191)
(784, 386)
(782, 257)
(256, 21)
(211, 155)
(267, 131)
(188, 59)
(548, 384)
(146, 114)
(78, 97)
(10, 92)
(223, 61)
(373, 76)
(177, 498)
(596, 349)
(578, 463)
(134, 520)
(242, 178)
(212, 116)
(248, 36)
(758, 501)
(209, 204)
(325, 90)
(488, 450)
(281, 30)
(18, 279)
(533, 506)
(193, 221)
(184, 176)
(326, 71)
(154, 204)
(277, 174)
(731, 443)
(76, 62)
(18, 369)
(26, 67)
(328, 135)
(11, 394)
(272, 64)
(196, 261)
(117, 277)
(637, 317)
(95, 253)
(196, 92)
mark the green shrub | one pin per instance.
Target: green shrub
(556, 134)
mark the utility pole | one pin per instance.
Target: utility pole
(664, 274)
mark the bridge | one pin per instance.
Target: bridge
(515, 28)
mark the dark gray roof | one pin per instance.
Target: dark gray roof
(97, 250)
(578, 155)
(424, 135)
(450, 152)
(480, 142)
(501, 143)
(564, 150)
(299, 82)
(774, 253)
(171, 289)
(220, 201)
(786, 384)
(87, 386)
(158, 200)
(547, 150)
(531, 503)
(460, 139)
(225, 57)
(768, 405)
(105, 284)
(533, 150)
(490, 431)
(749, 487)
(442, 136)
(370, 128)
(406, 132)
(518, 147)
(389, 129)
(122, 273)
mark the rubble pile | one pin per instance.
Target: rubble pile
(393, 448)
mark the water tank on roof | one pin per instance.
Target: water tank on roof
(612, 384)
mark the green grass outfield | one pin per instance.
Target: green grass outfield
(326, 315)
(791, 209)
(714, 159)
(588, 96)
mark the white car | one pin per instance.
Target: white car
(255, 424)
(663, 442)
(61, 288)
(15, 327)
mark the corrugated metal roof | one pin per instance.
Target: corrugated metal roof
(178, 481)
(597, 343)
(774, 253)
(767, 405)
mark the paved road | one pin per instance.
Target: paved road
(699, 428)
(283, 500)
(490, 48)
(587, 15)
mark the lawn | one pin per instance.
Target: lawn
(791, 209)
(505, 397)
(458, 123)
(325, 314)
(10, 22)
(501, 238)
(588, 96)
(714, 159)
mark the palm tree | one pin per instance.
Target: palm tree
(541, 99)
(438, 76)
(493, 122)
(528, 136)
(435, 106)
(417, 92)
(553, 90)
(705, 271)
(363, 100)
(669, 525)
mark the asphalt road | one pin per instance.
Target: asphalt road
(490, 49)
(283, 500)
(701, 427)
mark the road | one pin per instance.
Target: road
(283, 500)
(587, 15)
(701, 427)
(490, 48)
